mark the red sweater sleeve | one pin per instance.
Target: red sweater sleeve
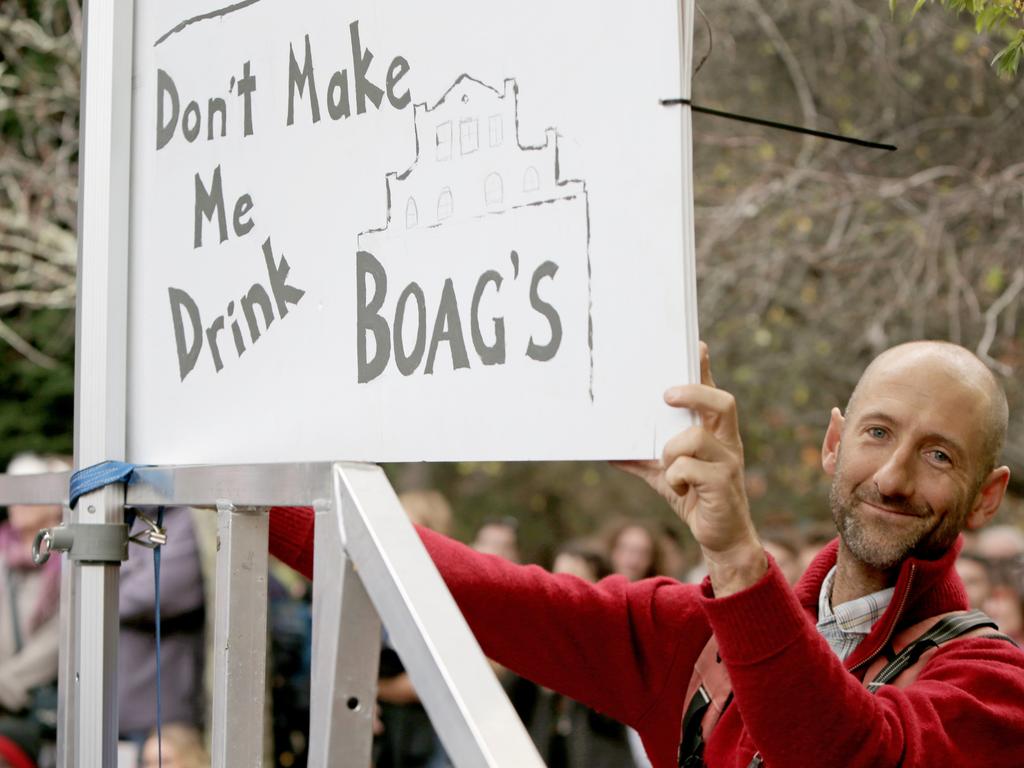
(291, 537)
(802, 708)
(623, 649)
(626, 650)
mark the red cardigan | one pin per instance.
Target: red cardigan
(628, 650)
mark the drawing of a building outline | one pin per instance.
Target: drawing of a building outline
(470, 164)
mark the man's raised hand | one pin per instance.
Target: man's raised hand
(701, 476)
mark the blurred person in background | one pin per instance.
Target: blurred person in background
(974, 573)
(1006, 606)
(568, 734)
(29, 623)
(581, 560)
(1002, 546)
(673, 558)
(784, 548)
(181, 746)
(429, 509)
(632, 549)
(182, 635)
(1000, 542)
(815, 537)
(498, 536)
(634, 553)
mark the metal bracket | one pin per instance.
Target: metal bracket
(83, 542)
(154, 536)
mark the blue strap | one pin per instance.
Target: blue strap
(92, 479)
(98, 476)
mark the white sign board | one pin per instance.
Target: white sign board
(395, 231)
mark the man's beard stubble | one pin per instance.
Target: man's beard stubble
(885, 547)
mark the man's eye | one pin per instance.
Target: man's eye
(876, 432)
(942, 457)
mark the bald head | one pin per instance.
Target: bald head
(931, 361)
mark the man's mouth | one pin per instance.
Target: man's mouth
(902, 510)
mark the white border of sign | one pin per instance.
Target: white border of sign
(629, 301)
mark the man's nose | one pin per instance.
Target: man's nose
(896, 476)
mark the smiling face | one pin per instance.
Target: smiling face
(909, 462)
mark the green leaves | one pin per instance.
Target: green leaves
(1007, 61)
(1002, 17)
(994, 16)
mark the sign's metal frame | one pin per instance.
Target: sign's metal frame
(371, 569)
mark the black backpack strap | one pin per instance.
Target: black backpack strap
(944, 630)
(710, 694)
(691, 747)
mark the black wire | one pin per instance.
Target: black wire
(711, 41)
(780, 126)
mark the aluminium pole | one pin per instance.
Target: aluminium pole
(346, 652)
(89, 614)
(467, 706)
(240, 636)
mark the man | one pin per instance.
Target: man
(913, 462)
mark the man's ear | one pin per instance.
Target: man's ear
(990, 496)
(830, 445)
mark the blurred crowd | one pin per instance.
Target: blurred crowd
(991, 566)
(566, 734)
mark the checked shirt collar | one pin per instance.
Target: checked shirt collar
(847, 624)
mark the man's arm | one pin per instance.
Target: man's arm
(620, 648)
(610, 645)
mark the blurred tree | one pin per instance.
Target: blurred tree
(813, 255)
(39, 66)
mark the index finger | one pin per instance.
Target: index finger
(705, 366)
(716, 408)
